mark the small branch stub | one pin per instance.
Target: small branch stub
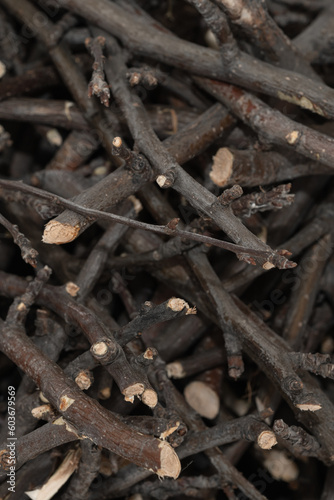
(230, 195)
(150, 398)
(167, 179)
(84, 380)
(58, 233)
(105, 351)
(72, 289)
(177, 305)
(41, 411)
(266, 440)
(133, 390)
(175, 370)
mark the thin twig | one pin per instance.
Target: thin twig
(171, 230)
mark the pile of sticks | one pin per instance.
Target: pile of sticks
(173, 317)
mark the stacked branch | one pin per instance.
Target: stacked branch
(188, 283)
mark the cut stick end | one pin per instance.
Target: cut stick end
(222, 167)
(65, 403)
(84, 380)
(170, 465)
(57, 233)
(104, 393)
(136, 204)
(117, 142)
(280, 466)
(133, 390)
(202, 399)
(177, 305)
(149, 398)
(40, 411)
(175, 370)
(309, 406)
(72, 289)
(266, 440)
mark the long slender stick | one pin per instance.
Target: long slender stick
(58, 201)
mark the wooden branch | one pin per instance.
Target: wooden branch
(171, 229)
(65, 114)
(28, 253)
(211, 285)
(313, 263)
(150, 315)
(95, 262)
(271, 124)
(31, 445)
(196, 363)
(67, 67)
(299, 442)
(275, 199)
(88, 470)
(144, 38)
(97, 86)
(320, 364)
(198, 196)
(223, 466)
(260, 28)
(151, 77)
(308, 235)
(314, 46)
(84, 413)
(71, 225)
(253, 168)
(75, 150)
(80, 368)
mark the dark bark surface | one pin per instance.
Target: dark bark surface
(166, 249)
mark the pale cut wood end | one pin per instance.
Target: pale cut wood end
(266, 440)
(280, 466)
(150, 398)
(57, 233)
(202, 399)
(133, 390)
(177, 305)
(309, 406)
(175, 370)
(84, 380)
(222, 167)
(170, 465)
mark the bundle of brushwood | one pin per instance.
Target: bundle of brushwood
(166, 249)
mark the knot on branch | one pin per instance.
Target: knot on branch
(135, 162)
(293, 385)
